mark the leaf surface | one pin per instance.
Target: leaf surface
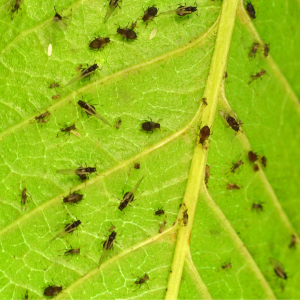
(164, 79)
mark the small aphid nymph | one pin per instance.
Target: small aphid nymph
(250, 10)
(185, 216)
(137, 166)
(41, 118)
(204, 134)
(52, 290)
(236, 165)
(112, 6)
(72, 252)
(207, 174)
(150, 126)
(127, 33)
(255, 167)
(55, 97)
(25, 199)
(227, 266)
(204, 101)
(252, 156)
(15, 8)
(257, 206)
(266, 49)
(159, 211)
(91, 111)
(293, 241)
(107, 245)
(118, 124)
(54, 85)
(258, 75)
(278, 268)
(263, 160)
(150, 13)
(232, 186)
(99, 43)
(142, 280)
(254, 49)
(73, 198)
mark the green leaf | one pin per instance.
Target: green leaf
(165, 79)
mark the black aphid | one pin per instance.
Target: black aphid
(254, 49)
(127, 33)
(41, 118)
(257, 206)
(150, 13)
(258, 75)
(263, 160)
(159, 211)
(250, 10)
(69, 228)
(142, 280)
(181, 11)
(112, 5)
(79, 171)
(278, 268)
(99, 43)
(73, 198)
(137, 166)
(15, 8)
(59, 20)
(204, 134)
(91, 111)
(25, 199)
(86, 72)
(52, 290)
(68, 130)
(129, 196)
(150, 126)
(107, 245)
(252, 156)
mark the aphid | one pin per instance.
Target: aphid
(52, 290)
(250, 10)
(225, 75)
(49, 49)
(181, 11)
(263, 160)
(204, 101)
(207, 174)
(255, 167)
(257, 206)
(254, 49)
(73, 198)
(69, 130)
(149, 14)
(142, 280)
(127, 33)
(55, 97)
(54, 85)
(129, 196)
(58, 19)
(161, 229)
(227, 266)
(118, 124)
(232, 186)
(258, 75)
(112, 5)
(72, 252)
(159, 211)
(278, 268)
(150, 126)
(136, 166)
(86, 72)
(293, 242)
(204, 134)
(231, 121)
(266, 49)
(252, 156)
(25, 200)
(236, 165)
(26, 295)
(15, 8)
(69, 228)
(91, 111)
(185, 216)
(79, 171)
(107, 245)
(40, 118)
(99, 43)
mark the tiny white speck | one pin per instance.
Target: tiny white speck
(152, 34)
(49, 49)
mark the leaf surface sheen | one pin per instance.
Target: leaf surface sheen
(164, 79)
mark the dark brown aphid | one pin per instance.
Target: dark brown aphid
(204, 134)
(232, 186)
(185, 216)
(150, 126)
(55, 97)
(278, 268)
(207, 174)
(181, 11)
(236, 165)
(54, 85)
(257, 206)
(254, 49)
(150, 13)
(127, 33)
(91, 111)
(67, 130)
(99, 43)
(72, 252)
(293, 242)
(204, 101)
(225, 75)
(258, 75)
(129, 196)
(137, 166)
(112, 5)
(79, 171)
(86, 72)
(107, 245)
(69, 228)
(26, 295)
(227, 266)
(40, 118)
(255, 167)
(266, 49)
(250, 10)
(263, 160)
(161, 228)
(16, 8)
(233, 123)
(142, 280)
(73, 198)
(159, 211)
(52, 290)
(57, 17)
(118, 124)
(25, 198)
(252, 156)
